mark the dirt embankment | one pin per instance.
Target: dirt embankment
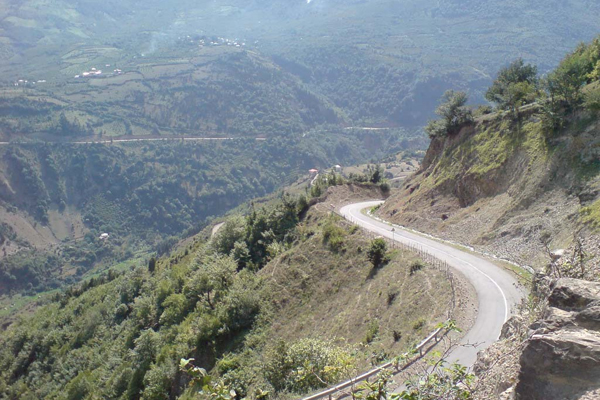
(506, 187)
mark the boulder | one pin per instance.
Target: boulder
(573, 294)
(589, 318)
(554, 319)
(561, 359)
(513, 327)
(559, 365)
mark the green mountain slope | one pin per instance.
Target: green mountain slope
(123, 335)
(56, 199)
(381, 61)
(215, 92)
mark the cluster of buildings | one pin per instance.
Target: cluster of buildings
(91, 72)
(25, 82)
(221, 42)
(94, 72)
(228, 42)
(312, 173)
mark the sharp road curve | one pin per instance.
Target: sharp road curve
(497, 290)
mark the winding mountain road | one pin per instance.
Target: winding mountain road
(497, 290)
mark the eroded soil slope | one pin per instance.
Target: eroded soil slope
(506, 186)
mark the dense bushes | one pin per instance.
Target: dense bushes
(559, 93)
(196, 304)
(515, 86)
(252, 240)
(160, 317)
(307, 364)
(580, 67)
(334, 236)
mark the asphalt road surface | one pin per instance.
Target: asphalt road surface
(497, 290)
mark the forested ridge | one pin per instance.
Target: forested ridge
(145, 196)
(125, 334)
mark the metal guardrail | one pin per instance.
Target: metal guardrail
(349, 383)
(442, 266)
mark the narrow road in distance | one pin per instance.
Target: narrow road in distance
(497, 290)
(141, 139)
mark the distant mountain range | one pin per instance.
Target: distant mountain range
(378, 60)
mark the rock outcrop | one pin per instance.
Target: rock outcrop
(561, 358)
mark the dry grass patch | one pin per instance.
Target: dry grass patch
(332, 292)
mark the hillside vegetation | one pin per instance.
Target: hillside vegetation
(210, 92)
(519, 182)
(385, 62)
(56, 200)
(264, 307)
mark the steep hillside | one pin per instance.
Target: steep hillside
(258, 306)
(507, 186)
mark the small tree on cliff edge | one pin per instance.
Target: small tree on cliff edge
(453, 112)
(515, 86)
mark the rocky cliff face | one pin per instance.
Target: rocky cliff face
(555, 357)
(516, 190)
(561, 358)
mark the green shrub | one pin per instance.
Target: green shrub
(307, 364)
(592, 99)
(372, 332)
(515, 85)
(80, 386)
(121, 312)
(334, 236)
(233, 231)
(391, 296)
(152, 264)
(385, 187)
(419, 324)
(158, 381)
(174, 309)
(416, 266)
(454, 114)
(377, 252)
(227, 363)
(482, 110)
